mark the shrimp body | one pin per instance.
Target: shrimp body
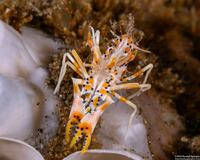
(105, 75)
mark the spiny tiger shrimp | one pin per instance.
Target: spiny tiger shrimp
(104, 77)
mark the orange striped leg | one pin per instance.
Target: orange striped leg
(62, 74)
(73, 61)
(146, 69)
(130, 104)
(126, 59)
(78, 68)
(130, 86)
(143, 88)
(91, 65)
(88, 124)
(88, 64)
(79, 61)
(63, 71)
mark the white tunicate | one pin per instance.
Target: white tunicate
(20, 107)
(11, 149)
(24, 99)
(21, 55)
(99, 154)
(113, 128)
(43, 45)
(16, 56)
(137, 139)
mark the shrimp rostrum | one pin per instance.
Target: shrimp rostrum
(92, 92)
